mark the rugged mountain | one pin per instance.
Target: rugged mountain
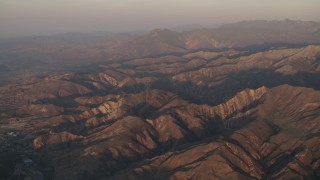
(71, 50)
(237, 35)
(229, 114)
(248, 33)
(161, 41)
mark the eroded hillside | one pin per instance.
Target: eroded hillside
(202, 115)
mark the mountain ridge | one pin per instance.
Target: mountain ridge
(201, 115)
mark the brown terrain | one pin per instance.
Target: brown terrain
(25, 57)
(190, 113)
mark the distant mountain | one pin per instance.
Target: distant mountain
(188, 27)
(86, 48)
(105, 45)
(236, 35)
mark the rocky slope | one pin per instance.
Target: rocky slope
(202, 115)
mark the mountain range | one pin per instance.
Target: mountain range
(241, 101)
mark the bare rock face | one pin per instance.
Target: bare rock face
(54, 139)
(200, 115)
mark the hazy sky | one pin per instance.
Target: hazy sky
(31, 17)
